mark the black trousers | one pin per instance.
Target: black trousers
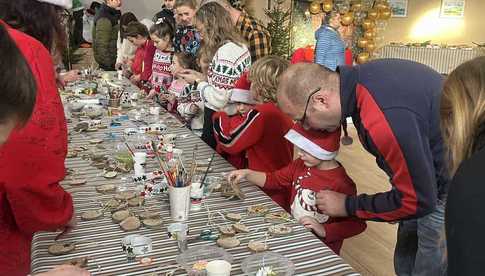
(208, 129)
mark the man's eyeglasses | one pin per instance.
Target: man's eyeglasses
(302, 120)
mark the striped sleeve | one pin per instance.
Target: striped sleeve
(238, 137)
(323, 48)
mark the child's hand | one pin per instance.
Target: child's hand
(313, 224)
(237, 176)
(194, 109)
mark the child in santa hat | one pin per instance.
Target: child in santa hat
(316, 169)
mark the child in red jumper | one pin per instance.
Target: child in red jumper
(261, 133)
(316, 169)
(137, 33)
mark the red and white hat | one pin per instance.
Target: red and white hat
(66, 4)
(241, 93)
(321, 145)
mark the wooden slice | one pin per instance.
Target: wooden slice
(112, 203)
(71, 154)
(277, 217)
(279, 230)
(95, 141)
(257, 210)
(79, 262)
(110, 175)
(136, 202)
(233, 216)
(127, 195)
(148, 215)
(228, 242)
(152, 223)
(92, 129)
(237, 190)
(130, 224)
(107, 188)
(257, 246)
(58, 248)
(120, 216)
(227, 230)
(240, 228)
(91, 215)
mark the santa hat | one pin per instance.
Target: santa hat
(66, 4)
(305, 54)
(321, 145)
(241, 93)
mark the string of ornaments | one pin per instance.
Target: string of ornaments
(367, 18)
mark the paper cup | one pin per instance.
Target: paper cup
(179, 202)
(140, 245)
(140, 157)
(218, 268)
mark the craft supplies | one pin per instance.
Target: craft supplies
(179, 202)
(179, 232)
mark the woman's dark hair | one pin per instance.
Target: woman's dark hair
(163, 29)
(17, 84)
(186, 60)
(37, 19)
(126, 19)
(136, 28)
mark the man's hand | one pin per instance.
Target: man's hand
(313, 224)
(332, 203)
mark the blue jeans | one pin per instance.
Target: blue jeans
(421, 245)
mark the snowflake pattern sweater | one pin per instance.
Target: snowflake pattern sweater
(304, 183)
(226, 67)
(161, 69)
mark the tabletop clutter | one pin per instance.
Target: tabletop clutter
(130, 144)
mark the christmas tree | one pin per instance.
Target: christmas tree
(279, 28)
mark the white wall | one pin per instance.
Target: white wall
(142, 8)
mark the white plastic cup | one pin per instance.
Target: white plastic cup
(139, 169)
(179, 202)
(120, 74)
(218, 268)
(196, 195)
(140, 157)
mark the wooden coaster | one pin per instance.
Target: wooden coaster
(95, 141)
(77, 182)
(240, 228)
(277, 217)
(136, 202)
(228, 242)
(110, 175)
(257, 210)
(58, 248)
(279, 230)
(120, 216)
(127, 195)
(130, 224)
(233, 216)
(91, 215)
(107, 188)
(227, 230)
(71, 154)
(257, 246)
(148, 215)
(152, 223)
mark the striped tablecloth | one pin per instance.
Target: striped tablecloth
(443, 60)
(100, 240)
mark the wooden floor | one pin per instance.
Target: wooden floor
(370, 253)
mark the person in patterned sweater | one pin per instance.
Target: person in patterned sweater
(316, 169)
(229, 57)
(187, 37)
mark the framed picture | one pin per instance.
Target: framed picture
(399, 8)
(452, 8)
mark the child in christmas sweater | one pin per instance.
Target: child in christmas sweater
(161, 34)
(316, 169)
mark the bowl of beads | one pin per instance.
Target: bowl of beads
(195, 260)
(268, 264)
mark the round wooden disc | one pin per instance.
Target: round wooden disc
(127, 195)
(148, 215)
(279, 230)
(227, 230)
(233, 216)
(95, 141)
(240, 228)
(91, 215)
(110, 175)
(277, 217)
(119, 216)
(257, 246)
(130, 224)
(77, 182)
(152, 223)
(137, 201)
(257, 210)
(58, 248)
(107, 188)
(228, 242)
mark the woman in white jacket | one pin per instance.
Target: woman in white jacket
(229, 57)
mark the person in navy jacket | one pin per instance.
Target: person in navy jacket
(394, 105)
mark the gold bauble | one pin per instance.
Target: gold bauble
(384, 14)
(370, 34)
(372, 14)
(314, 7)
(382, 6)
(356, 7)
(347, 19)
(362, 42)
(327, 5)
(363, 58)
(370, 47)
(368, 24)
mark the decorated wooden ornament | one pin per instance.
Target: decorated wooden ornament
(347, 19)
(59, 248)
(314, 7)
(363, 58)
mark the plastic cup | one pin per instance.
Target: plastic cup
(140, 157)
(179, 202)
(179, 231)
(218, 268)
(196, 195)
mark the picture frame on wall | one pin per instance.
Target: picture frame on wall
(399, 8)
(452, 8)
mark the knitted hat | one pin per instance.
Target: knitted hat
(66, 4)
(321, 145)
(241, 93)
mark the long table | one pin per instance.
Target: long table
(100, 240)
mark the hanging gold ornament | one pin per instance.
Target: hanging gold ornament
(370, 34)
(370, 47)
(356, 7)
(327, 5)
(362, 42)
(363, 58)
(382, 6)
(368, 24)
(347, 19)
(384, 14)
(372, 14)
(314, 7)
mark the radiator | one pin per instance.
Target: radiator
(443, 60)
